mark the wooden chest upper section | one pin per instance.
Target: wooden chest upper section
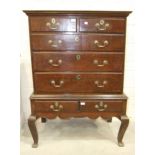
(77, 51)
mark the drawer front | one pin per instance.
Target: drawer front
(54, 106)
(70, 61)
(50, 24)
(102, 42)
(74, 42)
(78, 83)
(56, 42)
(105, 25)
(102, 106)
(49, 106)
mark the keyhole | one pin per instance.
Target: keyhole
(78, 77)
(78, 57)
(53, 20)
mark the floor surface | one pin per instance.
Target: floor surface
(78, 136)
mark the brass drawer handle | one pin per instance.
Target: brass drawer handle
(102, 25)
(101, 106)
(104, 62)
(97, 83)
(57, 85)
(51, 62)
(55, 44)
(52, 24)
(105, 43)
(56, 107)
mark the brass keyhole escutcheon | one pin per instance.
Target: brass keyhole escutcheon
(78, 57)
(53, 21)
(101, 22)
(78, 77)
(77, 39)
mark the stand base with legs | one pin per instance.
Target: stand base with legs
(124, 124)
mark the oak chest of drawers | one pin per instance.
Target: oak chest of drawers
(78, 66)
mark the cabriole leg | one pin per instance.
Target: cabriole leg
(124, 124)
(33, 130)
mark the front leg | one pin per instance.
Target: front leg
(124, 124)
(33, 130)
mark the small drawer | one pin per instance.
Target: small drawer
(78, 83)
(86, 61)
(102, 42)
(56, 42)
(102, 106)
(55, 106)
(52, 23)
(102, 25)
